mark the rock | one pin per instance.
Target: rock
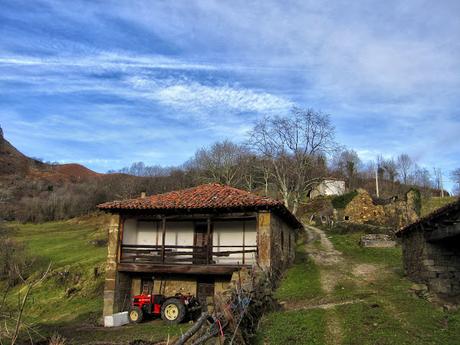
(377, 241)
(419, 287)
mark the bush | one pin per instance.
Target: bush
(341, 201)
(12, 258)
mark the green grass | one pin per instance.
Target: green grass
(349, 245)
(74, 259)
(395, 316)
(431, 204)
(293, 327)
(301, 281)
(390, 313)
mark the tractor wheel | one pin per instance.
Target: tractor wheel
(135, 315)
(173, 311)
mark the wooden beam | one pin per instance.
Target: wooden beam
(177, 268)
(163, 238)
(121, 226)
(244, 240)
(208, 240)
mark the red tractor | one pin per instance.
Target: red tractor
(171, 309)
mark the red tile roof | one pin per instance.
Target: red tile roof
(204, 197)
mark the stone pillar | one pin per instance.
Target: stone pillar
(264, 238)
(110, 287)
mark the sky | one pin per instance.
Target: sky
(106, 83)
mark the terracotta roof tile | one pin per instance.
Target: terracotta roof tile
(207, 196)
(201, 197)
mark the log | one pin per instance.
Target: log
(192, 330)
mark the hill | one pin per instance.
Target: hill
(14, 163)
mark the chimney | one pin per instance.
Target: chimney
(143, 195)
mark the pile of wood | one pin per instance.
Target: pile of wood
(237, 311)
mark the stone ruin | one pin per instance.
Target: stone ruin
(431, 252)
(362, 209)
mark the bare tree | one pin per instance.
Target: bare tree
(16, 317)
(455, 175)
(221, 162)
(404, 165)
(295, 146)
(347, 163)
(390, 168)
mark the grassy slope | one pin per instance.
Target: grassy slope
(431, 204)
(389, 314)
(66, 245)
(301, 282)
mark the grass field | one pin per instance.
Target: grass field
(386, 312)
(69, 301)
(433, 203)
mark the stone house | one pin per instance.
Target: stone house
(192, 241)
(431, 251)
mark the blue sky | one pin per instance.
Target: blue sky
(108, 83)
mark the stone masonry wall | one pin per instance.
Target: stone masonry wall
(111, 277)
(361, 209)
(169, 285)
(436, 264)
(282, 243)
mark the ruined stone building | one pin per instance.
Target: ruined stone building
(431, 251)
(192, 241)
(394, 212)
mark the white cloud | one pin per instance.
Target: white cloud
(198, 98)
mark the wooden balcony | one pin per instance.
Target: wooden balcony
(185, 259)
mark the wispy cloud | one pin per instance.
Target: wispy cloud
(155, 75)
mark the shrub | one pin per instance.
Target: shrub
(341, 201)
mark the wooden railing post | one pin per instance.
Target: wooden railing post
(244, 241)
(208, 241)
(163, 239)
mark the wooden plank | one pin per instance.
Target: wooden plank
(178, 268)
(121, 226)
(159, 247)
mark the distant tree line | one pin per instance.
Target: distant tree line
(284, 157)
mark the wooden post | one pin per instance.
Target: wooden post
(244, 240)
(208, 240)
(163, 239)
(121, 226)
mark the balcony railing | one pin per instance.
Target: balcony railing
(201, 255)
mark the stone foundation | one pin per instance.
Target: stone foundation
(436, 264)
(377, 241)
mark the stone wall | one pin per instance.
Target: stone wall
(111, 277)
(169, 285)
(436, 264)
(282, 243)
(362, 209)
